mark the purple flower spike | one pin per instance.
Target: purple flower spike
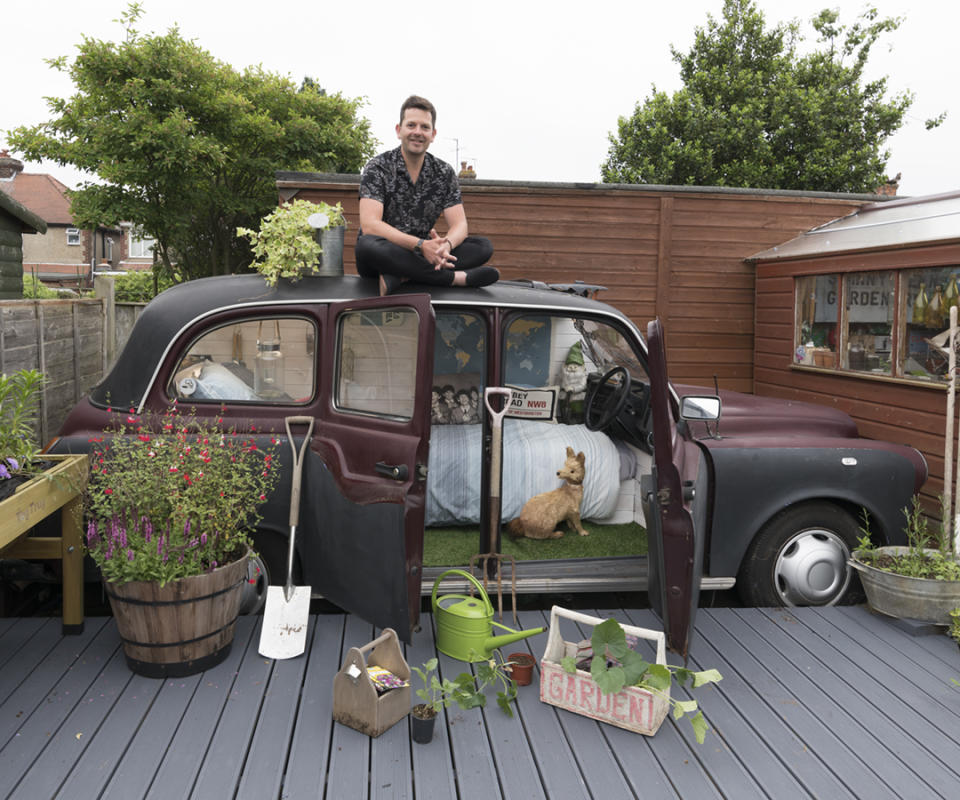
(129, 555)
(203, 539)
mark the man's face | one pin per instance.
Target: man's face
(416, 132)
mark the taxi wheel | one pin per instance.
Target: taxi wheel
(800, 559)
(268, 566)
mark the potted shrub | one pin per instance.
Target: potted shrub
(915, 582)
(19, 397)
(170, 503)
(32, 487)
(285, 246)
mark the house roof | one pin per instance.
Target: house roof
(31, 223)
(43, 194)
(878, 226)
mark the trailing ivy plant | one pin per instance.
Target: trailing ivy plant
(285, 246)
(614, 665)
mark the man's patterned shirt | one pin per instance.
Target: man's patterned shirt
(408, 207)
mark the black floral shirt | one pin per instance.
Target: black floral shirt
(408, 207)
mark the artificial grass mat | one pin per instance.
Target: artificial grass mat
(452, 547)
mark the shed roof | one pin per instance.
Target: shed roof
(878, 226)
(30, 222)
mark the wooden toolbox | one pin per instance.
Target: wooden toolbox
(356, 702)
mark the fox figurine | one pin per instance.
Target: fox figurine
(543, 513)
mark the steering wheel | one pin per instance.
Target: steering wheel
(604, 404)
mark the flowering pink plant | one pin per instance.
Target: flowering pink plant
(173, 496)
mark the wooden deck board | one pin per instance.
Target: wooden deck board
(814, 703)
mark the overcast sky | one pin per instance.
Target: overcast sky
(525, 90)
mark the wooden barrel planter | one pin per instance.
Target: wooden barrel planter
(182, 628)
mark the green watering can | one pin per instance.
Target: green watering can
(465, 623)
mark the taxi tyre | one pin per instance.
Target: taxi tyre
(799, 558)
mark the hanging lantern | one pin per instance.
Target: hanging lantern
(268, 372)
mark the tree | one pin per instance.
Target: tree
(186, 147)
(755, 113)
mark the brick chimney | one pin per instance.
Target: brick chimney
(889, 189)
(9, 167)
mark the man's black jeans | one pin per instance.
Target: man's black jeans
(378, 256)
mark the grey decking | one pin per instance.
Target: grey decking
(827, 703)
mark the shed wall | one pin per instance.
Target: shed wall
(891, 409)
(11, 256)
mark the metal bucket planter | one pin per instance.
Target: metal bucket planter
(331, 260)
(921, 599)
(181, 628)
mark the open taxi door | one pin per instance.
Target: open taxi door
(364, 483)
(675, 505)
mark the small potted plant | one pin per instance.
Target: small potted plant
(170, 503)
(917, 581)
(466, 690)
(521, 668)
(286, 245)
(436, 695)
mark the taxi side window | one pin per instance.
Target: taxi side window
(268, 360)
(377, 362)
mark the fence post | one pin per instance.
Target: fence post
(103, 287)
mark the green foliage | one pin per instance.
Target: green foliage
(173, 496)
(35, 289)
(919, 560)
(466, 690)
(285, 246)
(955, 625)
(614, 665)
(755, 112)
(185, 146)
(19, 399)
(437, 694)
(140, 286)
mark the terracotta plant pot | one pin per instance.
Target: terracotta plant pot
(421, 727)
(521, 670)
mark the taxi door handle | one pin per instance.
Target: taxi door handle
(397, 472)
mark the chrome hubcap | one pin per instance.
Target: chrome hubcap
(811, 569)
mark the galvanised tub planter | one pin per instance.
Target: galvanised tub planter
(921, 599)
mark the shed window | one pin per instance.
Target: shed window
(892, 323)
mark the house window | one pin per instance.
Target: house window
(73, 236)
(890, 323)
(141, 245)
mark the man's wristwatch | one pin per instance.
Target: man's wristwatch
(418, 247)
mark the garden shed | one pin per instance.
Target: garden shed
(853, 314)
(15, 220)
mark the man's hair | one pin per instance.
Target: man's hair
(415, 101)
